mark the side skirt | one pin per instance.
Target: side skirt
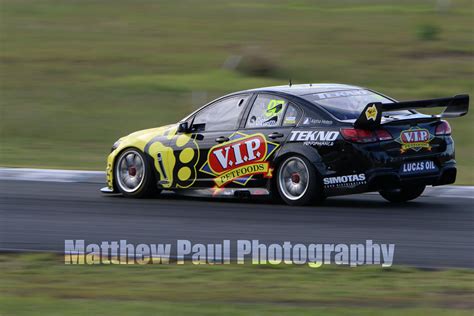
(224, 192)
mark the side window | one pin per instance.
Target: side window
(292, 115)
(266, 111)
(220, 116)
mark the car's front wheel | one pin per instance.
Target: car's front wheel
(134, 176)
(403, 194)
(297, 182)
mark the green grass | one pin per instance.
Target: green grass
(76, 75)
(40, 284)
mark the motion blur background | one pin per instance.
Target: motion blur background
(77, 75)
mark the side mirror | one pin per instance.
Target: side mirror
(183, 127)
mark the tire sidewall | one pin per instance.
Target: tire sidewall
(313, 192)
(148, 177)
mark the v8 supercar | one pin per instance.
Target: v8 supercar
(300, 143)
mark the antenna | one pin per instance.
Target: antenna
(290, 83)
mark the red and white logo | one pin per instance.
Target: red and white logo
(236, 154)
(414, 138)
(239, 159)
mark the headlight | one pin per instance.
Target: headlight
(115, 145)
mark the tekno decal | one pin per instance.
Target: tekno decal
(414, 138)
(239, 159)
(348, 181)
(317, 138)
(340, 94)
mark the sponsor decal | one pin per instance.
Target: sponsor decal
(289, 120)
(239, 159)
(347, 181)
(274, 107)
(418, 167)
(339, 94)
(371, 113)
(315, 138)
(414, 138)
(313, 121)
(261, 121)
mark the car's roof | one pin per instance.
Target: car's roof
(305, 89)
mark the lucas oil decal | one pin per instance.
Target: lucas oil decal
(414, 138)
(239, 159)
(426, 166)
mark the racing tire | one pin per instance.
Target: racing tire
(134, 176)
(403, 194)
(298, 182)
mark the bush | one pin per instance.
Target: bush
(428, 32)
(255, 62)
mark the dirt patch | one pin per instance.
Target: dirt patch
(439, 54)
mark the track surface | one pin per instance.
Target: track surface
(429, 232)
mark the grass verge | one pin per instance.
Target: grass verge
(40, 284)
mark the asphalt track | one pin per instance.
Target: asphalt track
(429, 232)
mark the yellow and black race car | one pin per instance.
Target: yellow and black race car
(300, 143)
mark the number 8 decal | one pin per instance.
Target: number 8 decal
(186, 152)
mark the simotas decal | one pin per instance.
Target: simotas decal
(315, 138)
(414, 138)
(347, 181)
(371, 113)
(239, 159)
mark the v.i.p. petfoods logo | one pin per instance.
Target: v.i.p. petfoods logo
(414, 138)
(239, 159)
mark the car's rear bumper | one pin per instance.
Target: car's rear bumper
(387, 178)
(383, 180)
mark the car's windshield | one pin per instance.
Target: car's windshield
(348, 104)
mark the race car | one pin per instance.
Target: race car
(295, 143)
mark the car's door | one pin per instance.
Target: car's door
(270, 121)
(212, 128)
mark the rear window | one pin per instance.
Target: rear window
(348, 104)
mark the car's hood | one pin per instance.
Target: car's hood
(147, 134)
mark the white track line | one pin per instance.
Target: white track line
(56, 175)
(52, 175)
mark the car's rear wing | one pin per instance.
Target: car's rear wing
(371, 116)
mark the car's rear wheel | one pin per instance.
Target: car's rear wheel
(297, 182)
(134, 175)
(403, 194)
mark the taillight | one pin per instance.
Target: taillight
(443, 129)
(357, 135)
(383, 134)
